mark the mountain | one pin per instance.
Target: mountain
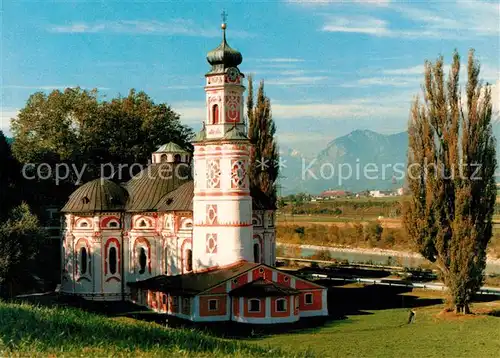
(361, 160)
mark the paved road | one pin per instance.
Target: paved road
(388, 282)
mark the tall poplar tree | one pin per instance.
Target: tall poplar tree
(451, 166)
(264, 169)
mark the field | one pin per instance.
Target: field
(27, 330)
(356, 222)
(367, 321)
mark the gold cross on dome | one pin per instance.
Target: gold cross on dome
(224, 16)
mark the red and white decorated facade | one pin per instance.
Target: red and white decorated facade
(199, 247)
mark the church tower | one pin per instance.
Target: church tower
(222, 205)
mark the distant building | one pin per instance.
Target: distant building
(381, 193)
(333, 194)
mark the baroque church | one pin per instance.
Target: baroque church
(188, 236)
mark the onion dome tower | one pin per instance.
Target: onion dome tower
(222, 205)
(224, 91)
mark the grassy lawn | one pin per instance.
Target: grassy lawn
(27, 330)
(385, 332)
(367, 321)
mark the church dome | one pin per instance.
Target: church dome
(224, 56)
(147, 188)
(97, 195)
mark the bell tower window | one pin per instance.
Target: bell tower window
(215, 114)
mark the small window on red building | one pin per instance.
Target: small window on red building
(308, 298)
(253, 305)
(281, 305)
(213, 305)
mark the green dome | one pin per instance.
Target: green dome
(97, 195)
(171, 148)
(147, 188)
(224, 56)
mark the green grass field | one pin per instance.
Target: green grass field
(27, 330)
(384, 333)
(371, 322)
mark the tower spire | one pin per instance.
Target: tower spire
(224, 24)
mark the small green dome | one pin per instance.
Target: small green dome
(97, 195)
(171, 148)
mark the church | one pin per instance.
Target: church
(188, 236)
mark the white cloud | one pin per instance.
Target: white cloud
(384, 81)
(470, 18)
(439, 20)
(359, 24)
(192, 112)
(184, 27)
(337, 2)
(296, 80)
(51, 87)
(281, 60)
(414, 70)
(360, 108)
(6, 114)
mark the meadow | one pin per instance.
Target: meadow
(355, 222)
(29, 330)
(365, 321)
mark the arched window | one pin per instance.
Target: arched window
(215, 114)
(83, 261)
(177, 158)
(189, 260)
(163, 158)
(256, 253)
(112, 260)
(143, 259)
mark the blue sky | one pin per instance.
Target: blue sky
(329, 66)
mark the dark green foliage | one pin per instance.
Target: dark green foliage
(76, 128)
(451, 165)
(20, 239)
(10, 179)
(262, 131)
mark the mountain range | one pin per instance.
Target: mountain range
(360, 160)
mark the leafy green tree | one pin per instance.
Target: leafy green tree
(75, 127)
(10, 179)
(20, 238)
(451, 166)
(264, 167)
